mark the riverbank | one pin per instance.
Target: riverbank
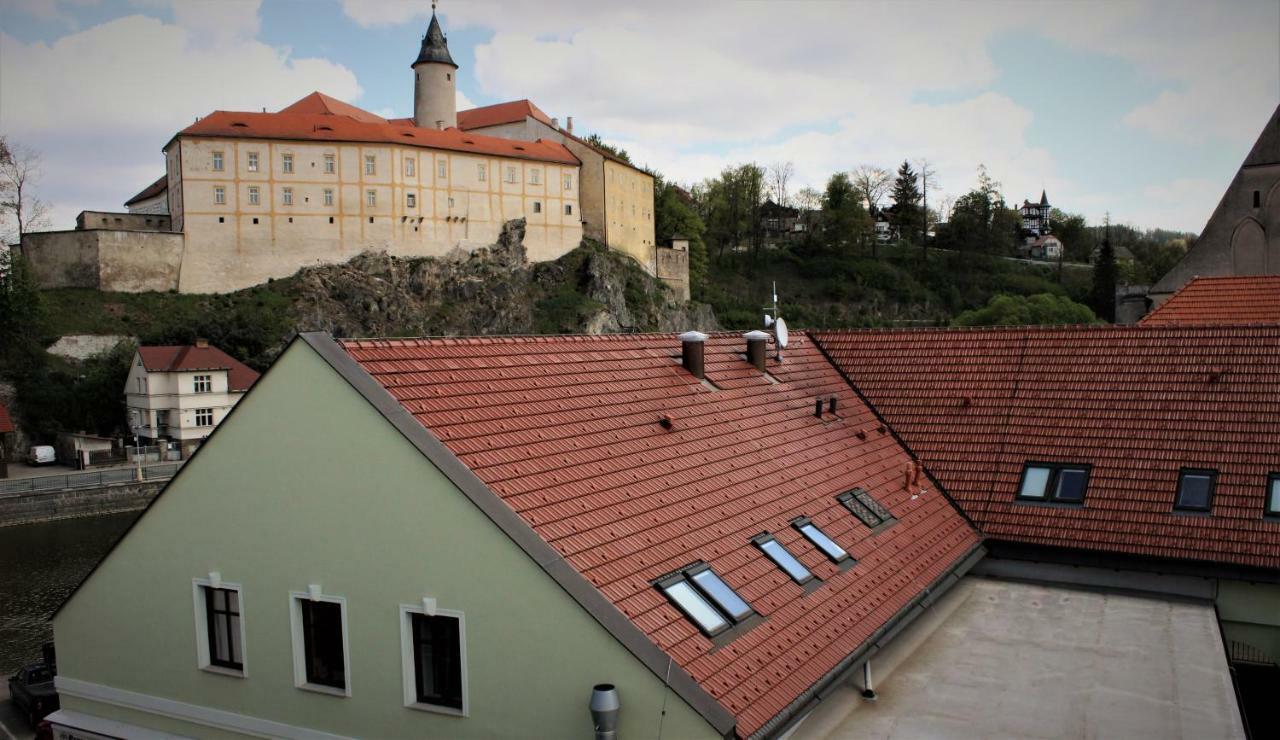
(30, 507)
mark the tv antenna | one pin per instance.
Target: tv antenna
(771, 318)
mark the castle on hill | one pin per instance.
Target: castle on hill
(250, 196)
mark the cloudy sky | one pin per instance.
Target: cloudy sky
(1142, 108)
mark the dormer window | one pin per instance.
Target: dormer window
(820, 539)
(782, 558)
(1195, 490)
(703, 596)
(1054, 483)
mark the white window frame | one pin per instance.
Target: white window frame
(371, 198)
(202, 628)
(253, 161)
(482, 172)
(199, 413)
(330, 164)
(568, 182)
(328, 196)
(442, 169)
(286, 195)
(286, 163)
(406, 660)
(370, 164)
(511, 175)
(219, 195)
(217, 162)
(196, 381)
(409, 167)
(255, 196)
(299, 645)
(535, 176)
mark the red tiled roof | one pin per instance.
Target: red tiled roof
(1136, 403)
(321, 118)
(500, 113)
(152, 190)
(565, 430)
(174, 358)
(6, 423)
(1222, 300)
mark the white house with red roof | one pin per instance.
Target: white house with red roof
(180, 393)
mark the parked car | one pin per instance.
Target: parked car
(41, 455)
(32, 693)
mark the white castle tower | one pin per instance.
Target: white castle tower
(435, 101)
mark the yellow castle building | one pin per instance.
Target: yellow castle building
(248, 196)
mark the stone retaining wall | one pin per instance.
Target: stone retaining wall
(43, 506)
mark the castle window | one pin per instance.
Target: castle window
(410, 200)
(451, 202)
(442, 169)
(535, 177)
(219, 195)
(568, 209)
(568, 182)
(409, 167)
(254, 196)
(1257, 199)
(371, 198)
(481, 172)
(286, 163)
(448, 76)
(217, 161)
(288, 196)
(253, 161)
(511, 175)
(329, 164)
(331, 219)
(537, 206)
(328, 196)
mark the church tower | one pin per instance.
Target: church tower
(435, 101)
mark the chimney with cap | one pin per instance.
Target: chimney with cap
(756, 344)
(692, 345)
(202, 343)
(568, 126)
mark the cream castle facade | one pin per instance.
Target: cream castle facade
(247, 197)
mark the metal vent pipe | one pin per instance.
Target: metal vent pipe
(757, 342)
(692, 348)
(604, 711)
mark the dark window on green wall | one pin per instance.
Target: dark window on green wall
(322, 643)
(437, 660)
(222, 610)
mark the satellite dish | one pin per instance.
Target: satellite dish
(768, 321)
(781, 328)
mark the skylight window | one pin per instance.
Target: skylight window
(705, 598)
(1049, 482)
(1272, 507)
(1195, 490)
(820, 539)
(783, 558)
(867, 509)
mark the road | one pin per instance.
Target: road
(12, 726)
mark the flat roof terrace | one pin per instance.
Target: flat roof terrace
(1000, 659)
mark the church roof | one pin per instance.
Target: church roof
(435, 48)
(318, 117)
(497, 114)
(1266, 150)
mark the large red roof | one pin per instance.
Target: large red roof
(1222, 300)
(182, 357)
(6, 423)
(566, 431)
(321, 118)
(495, 115)
(1136, 403)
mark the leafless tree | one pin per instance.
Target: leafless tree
(928, 182)
(808, 199)
(21, 211)
(780, 174)
(873, 183)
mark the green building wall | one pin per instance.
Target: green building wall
(306, 483)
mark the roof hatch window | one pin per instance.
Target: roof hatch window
(782, 558)
(1061, 484)
(820, 539)
(1273, 495)
(867, 509)
(705, 598)
(1195, 490)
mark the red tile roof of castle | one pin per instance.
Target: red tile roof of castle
(319, 117)
(1222, 300)
(565, 430)
(1136, 403)
(511, 111)
(6, 422)
(183, 357)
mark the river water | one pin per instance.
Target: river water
(40, 564)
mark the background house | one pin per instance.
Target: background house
(179, 394)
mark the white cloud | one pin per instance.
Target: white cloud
(370, 13)
(101, 103)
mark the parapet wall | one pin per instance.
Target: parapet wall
(107, 260)
(125, 221)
